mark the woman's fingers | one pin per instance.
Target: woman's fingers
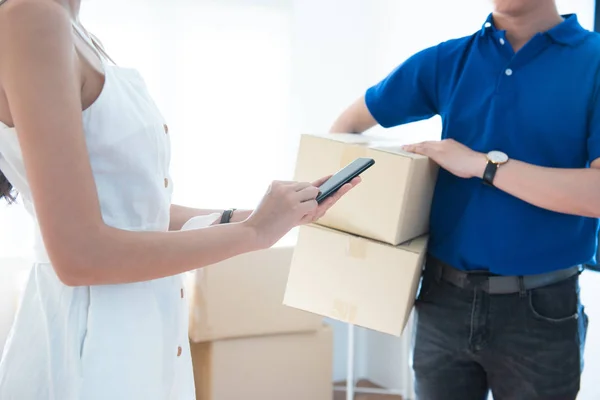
(321, 181)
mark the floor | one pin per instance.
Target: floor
(365, 384)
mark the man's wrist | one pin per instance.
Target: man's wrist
(480, 162)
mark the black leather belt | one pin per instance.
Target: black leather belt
(495, 284)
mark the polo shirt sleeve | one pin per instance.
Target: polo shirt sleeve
(408, 93)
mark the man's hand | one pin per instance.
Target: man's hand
(330, 201)
(454, 157)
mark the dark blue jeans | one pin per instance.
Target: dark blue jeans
(525, 346)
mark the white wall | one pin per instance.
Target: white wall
(590, 282)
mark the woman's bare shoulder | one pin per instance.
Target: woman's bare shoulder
(17, 16)
(33, 34)
(33, 27)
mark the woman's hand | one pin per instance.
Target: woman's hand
(289, 204)
(322, 208)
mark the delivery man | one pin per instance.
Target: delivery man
(516, 206)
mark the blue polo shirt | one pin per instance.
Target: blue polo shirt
(539, 106)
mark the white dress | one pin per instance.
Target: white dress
(112, 342)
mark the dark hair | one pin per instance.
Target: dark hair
(6, 189)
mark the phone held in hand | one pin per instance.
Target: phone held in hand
(343, 176)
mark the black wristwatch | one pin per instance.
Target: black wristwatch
(495, 159)
(226, 216)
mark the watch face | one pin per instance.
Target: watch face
(497, 157)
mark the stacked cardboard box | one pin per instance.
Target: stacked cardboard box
(245, 343)
(362, 263)
(290, 366)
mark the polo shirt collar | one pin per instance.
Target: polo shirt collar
(569, 32)
(488, 25)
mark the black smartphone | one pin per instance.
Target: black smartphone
(343, 176)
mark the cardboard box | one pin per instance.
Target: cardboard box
(392, 203)
(290, 367)
(242, 297)
(355, 280)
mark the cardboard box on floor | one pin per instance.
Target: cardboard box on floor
(392, 203)
(291, 367)
(242, 297)
(356, 280)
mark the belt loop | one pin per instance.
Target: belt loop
(522, 291)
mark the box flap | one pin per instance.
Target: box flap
(417, 245)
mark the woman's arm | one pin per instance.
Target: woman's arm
(40, 75)
(180, 215)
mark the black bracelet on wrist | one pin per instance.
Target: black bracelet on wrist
(226, 216)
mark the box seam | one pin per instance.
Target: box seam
(342, 233)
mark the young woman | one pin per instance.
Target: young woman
(104, 311)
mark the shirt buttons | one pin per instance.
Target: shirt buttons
(508, 72)
(166, 183)
(182, 293)
(488, 25)
(179, 351)
(166, 128)
(501, 42)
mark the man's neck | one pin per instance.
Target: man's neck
(520, 28)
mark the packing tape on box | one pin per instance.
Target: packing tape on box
(344, 311)
(351, 153)
(356, 247)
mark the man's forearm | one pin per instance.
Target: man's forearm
(569, 191)
(180, 215)
(355, 119)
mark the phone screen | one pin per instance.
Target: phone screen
(343, 176)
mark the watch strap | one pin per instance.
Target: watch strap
(226, 216)
(490, 173)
